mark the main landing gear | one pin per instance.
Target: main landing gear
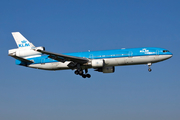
(81, 73)
(149, 67)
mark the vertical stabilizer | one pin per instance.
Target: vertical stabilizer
(21, 41)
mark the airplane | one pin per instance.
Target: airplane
(102, 61)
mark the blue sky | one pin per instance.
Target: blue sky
(80, 25)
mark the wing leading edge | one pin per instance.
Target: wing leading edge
(63, 58)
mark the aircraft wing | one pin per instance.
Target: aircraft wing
(63, 58)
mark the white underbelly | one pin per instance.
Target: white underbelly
(135, 60)
(108, 62)
(51, 66)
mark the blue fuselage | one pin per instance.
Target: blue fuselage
(105, 54)
(102, 61)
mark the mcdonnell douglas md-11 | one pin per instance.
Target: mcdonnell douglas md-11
(102, 61)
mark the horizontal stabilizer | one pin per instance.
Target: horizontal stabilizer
(20, 58)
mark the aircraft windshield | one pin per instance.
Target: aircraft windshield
(165, 51)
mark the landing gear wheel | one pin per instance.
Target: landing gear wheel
(76, 72)
(84, 76)
(88, 75)
(81, 73)
(149, 69)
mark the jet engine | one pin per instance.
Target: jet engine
(109, 69)
(97, 63)
(25, 52)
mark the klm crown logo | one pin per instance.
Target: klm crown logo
(145, 51)
(23, 44)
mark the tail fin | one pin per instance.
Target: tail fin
(21, 41)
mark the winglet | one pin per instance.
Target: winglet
(21, 41)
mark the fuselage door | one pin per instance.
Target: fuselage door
(42, 61)
(91, 56)
(157, 55)
(157, 52)
(129, 59)
(130, 54)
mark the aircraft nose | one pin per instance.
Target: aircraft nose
(170, 55)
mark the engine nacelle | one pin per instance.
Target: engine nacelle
(25, 52)
(97, 63)
(109, 69)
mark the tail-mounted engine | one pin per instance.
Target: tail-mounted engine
(25, 52)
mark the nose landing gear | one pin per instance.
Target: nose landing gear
(149, 65)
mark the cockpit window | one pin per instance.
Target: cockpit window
(165, 51)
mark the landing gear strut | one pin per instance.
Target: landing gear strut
(81, 73)
(149, 65)
(86, 75)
